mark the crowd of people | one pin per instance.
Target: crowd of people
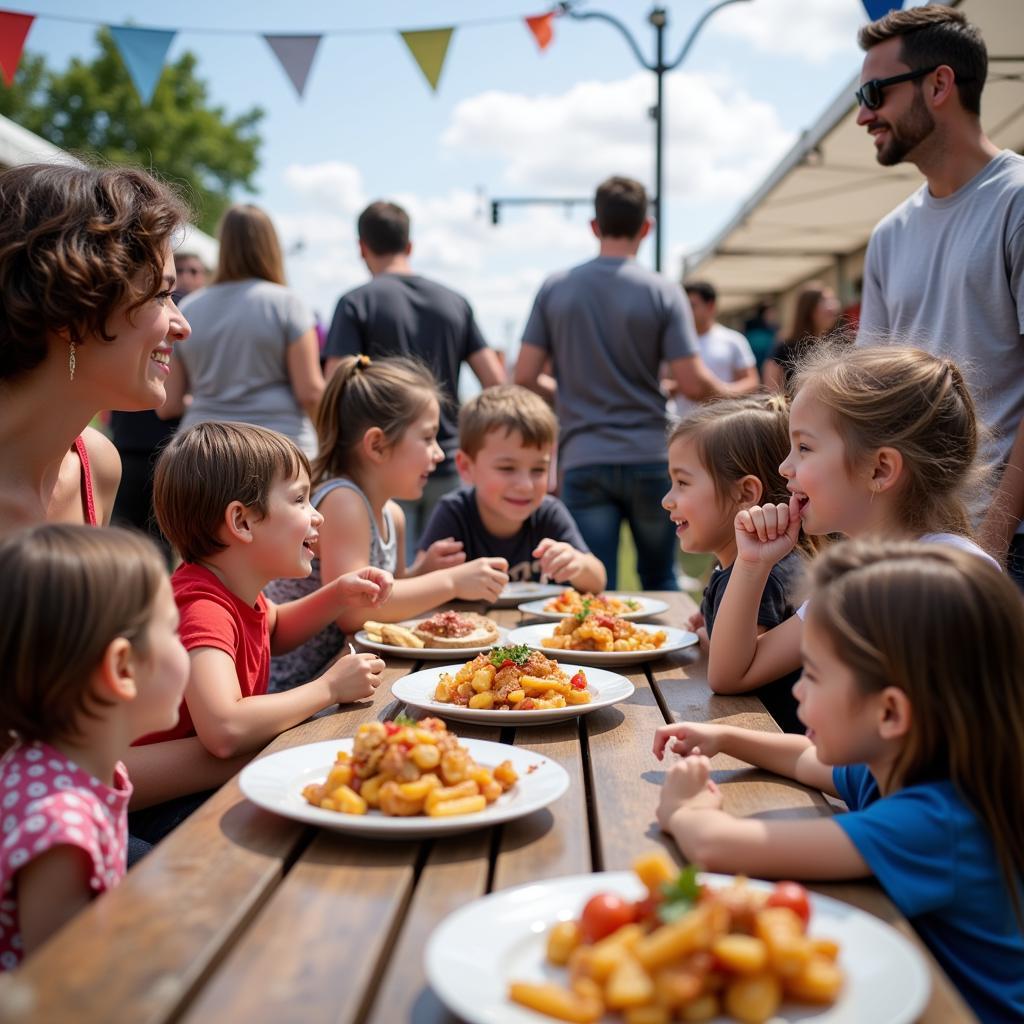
(295, 502)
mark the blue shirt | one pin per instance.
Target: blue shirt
(457, 515)
(936, 862)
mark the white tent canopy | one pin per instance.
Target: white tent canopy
(822, 201)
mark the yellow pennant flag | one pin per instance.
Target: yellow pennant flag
(429, 48)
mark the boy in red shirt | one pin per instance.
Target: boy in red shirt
(233, 500)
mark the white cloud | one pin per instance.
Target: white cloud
(719, 141)
(817, 30)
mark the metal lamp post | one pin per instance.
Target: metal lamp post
(659, 19)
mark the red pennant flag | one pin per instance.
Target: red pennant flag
(540, 26)
(13, 29)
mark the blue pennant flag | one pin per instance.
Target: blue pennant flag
(143, 51)
(880, 8)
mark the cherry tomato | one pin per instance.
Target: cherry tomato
(506, 663)
(645, 909)
(794, 896)
(578, 681)
(391, 728)
(605, 913)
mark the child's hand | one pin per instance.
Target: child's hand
(559, 560)
(703, 640)
(480, 580)
(688, 738)
(767, 533)
(687, 784)
(442, 554)
(695, 622)
(354, 677)
(367, 586)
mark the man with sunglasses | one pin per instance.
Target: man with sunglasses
(945, 269)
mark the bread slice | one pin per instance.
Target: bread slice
(483, 631)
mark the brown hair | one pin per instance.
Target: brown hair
(205, 468)
(741, 437)
(248, 246)
(620, 207)
(802, 327)
(384, 228)
(963, 673)
(363, 393)
(903, 398)
(77, 243)
(935, 35)
(511, 409)
(67, 592)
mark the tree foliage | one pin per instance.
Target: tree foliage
(91, 109)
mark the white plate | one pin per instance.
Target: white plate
(475, 952)
(275, 783)
(525, 591)
(426, 653)
(417, 690)
(647, 606)
(532, 636)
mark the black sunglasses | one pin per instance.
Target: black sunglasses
(871, 94)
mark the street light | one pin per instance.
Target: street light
(659, 19)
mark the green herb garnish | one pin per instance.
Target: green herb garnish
(678, 897)
(518, 654)
(584, 610)
(404, 719)
(632, 604)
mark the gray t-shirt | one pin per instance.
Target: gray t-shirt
(608, 325)
(947, 275)
(236, 357)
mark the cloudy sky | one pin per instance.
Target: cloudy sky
(507, 120)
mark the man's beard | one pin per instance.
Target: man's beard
(907, 134)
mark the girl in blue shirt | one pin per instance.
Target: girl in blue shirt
(913, 698)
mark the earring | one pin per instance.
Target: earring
(71, 360)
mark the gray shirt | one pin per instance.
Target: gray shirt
(236, 357)
(608, 325)
(947, 275)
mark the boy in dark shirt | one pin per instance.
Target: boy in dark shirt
(506, 438)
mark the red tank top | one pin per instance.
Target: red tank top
(88, 505)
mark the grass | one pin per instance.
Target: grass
(696, 566)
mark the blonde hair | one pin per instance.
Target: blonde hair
(963, 674)
(205, 468)
(248, 246)
(903, 398)
(511, 409)
(67, 592)
(741, 437)
(363, 393)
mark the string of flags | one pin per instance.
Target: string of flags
(144, 50)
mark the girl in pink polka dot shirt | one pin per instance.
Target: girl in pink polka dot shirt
(91, 661)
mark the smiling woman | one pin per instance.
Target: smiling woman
(86, 323)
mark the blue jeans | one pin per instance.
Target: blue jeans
(600, 497)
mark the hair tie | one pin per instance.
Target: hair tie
(362, 361)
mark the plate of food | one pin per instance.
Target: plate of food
(572, 602)
(511, 686)
(402, 779)
(517, 591)
(433, 639)
(603, 639)
(706, 947)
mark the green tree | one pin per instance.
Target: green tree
(91, 108)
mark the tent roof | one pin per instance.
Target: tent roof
(826, 195)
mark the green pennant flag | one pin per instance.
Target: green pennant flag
(428, 48)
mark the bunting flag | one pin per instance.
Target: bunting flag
(880, 8)
(541, 27)
(143, 51)
(296, 55)
(13, 29)
(429, 48)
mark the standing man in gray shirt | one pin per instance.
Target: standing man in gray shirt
(945, 269)
(607, 326)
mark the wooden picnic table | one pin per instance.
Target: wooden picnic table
(240, 915)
